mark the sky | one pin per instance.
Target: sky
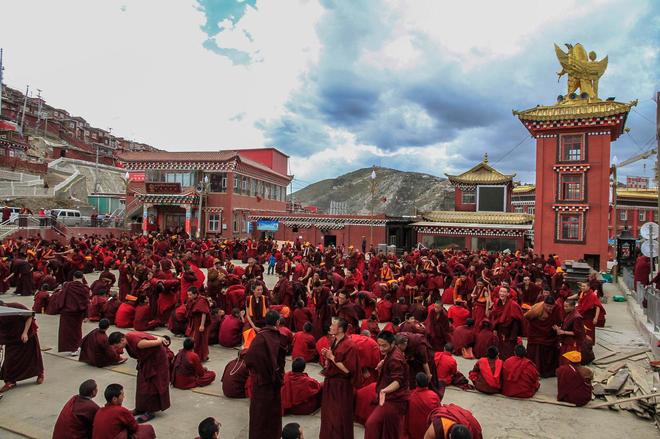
(416, 85)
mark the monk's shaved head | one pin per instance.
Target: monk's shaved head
(459, 431)
(88, 389)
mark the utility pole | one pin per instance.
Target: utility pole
(27, 91)
(373, 194)
(1, 69)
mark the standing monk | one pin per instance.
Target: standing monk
(507, 318)
(591, 310)
(22, 359)
(341, 372)
(571, 334)
(437, 327)
(386, 421)
(265, 360)
(199, 316)
(542, 340)
(152, 392)
(75, 302)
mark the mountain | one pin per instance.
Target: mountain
(396, 193)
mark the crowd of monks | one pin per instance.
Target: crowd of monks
(385, 329)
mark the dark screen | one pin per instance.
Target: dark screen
(491, 199)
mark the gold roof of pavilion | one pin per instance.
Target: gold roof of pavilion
(575, 109)
(631, 193)
(482, 173)
(522, 189)
(450, 216)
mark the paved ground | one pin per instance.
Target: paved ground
(31, 410)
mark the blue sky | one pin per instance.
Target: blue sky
(417, 85)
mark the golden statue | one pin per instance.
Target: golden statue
(583, 70)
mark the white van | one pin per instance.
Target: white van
(68, 217)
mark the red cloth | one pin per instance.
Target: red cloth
(438, 328)
(73, 312)
(445, 366)
(234, 379)
(384, 310)
(520, 379)
(462, 337)
(113, 420)
(194, 311)
(188, 372)
(143, 320)
(96, 351)
(185, 283)
(458, 315)
(322, 343)
(572, 386)
(486, 376)
(153, 379)
(304, 345)
(457, 415)
(231, 329)
(76, 419)
(420, 405)
(386, 421)
(125, 316)
(300, 394)
(367, 349)
(300, 317)
(95, 308)
(365, 402)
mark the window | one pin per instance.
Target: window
(469, 197)
(571, 148)
(237, 186)
(246, 185)
(623, 215)
(570, 227)
(214, 222)
(186, 179)
(570, 187)
(253, 187)
(531, 210)
(642, 216)
(518, 209)
(218, 182)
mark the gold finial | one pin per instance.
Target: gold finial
(582, 69)
(485, 157)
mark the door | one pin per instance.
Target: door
(593, 261)
(329, 240)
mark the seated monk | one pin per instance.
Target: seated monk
(95, 307)
(177, 322)
(365, 398)
(420, 405)
(574, 381)
(304, 344)
(301, 394)
(126, 313)
(209, 428)
(450, 421)
(97, 350)
(445, 365)
(458, 313)
(463, 339)
(231, 329)
(484, 339)
(235, 377)
(187, 369)
(487, 372)
(77, 415)
(520, 379)
(111, 307)
(41, 299)
(113, 420)
(144, 320)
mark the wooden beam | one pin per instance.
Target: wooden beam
(622, 356)
(619, 401)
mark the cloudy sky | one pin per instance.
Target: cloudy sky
(418, 85)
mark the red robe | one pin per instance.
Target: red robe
(520, 379)
(152, 392)
(420, 405)
(95, 308)
(112, 420)
(96, 351)
(300, 317)
(507, 321)
(125, 316)
(586, 306)
(463, 337)
(484, 339)
(72, 314)
(458, 315)
(445, 367)
(304, 345)
(457, 415)
(185, 283)
(76, 419)
(194, 311)
(230, 332)
(487, 375)
(21, 360)
(384, 310)
(438, 329)
(143, 320)
(300, 394)
(188, 372)
(365, 402)
(572, 386)
(543, 342)
(369, 356)
(234, 378)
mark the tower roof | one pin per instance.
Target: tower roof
(578, 110)
(482, 173)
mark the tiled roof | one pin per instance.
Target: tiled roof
(482, 173)
(447, 216)
(523, 189)
(646, 194)
(575, 110)
(176, 156)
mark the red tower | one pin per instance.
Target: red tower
(573, 162)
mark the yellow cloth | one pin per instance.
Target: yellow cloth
(573, 356)
(248, 336)
(131, 298)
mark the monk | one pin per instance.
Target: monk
(452, 422)
(484, 339)
(265, 360)
(463, 338)
(458, 313)
(591, 310)
(235, 377)
(22, 359)
(365, 402)
(96, 350)
(301, 394)
(198, 313)
(209, 428)
(574, 381)
(144, 319)
(481, 302)
(304, 344)
(542, 340)
(347, 311)
(572, 335)
(187, 369)
(445, 365)
(487, 372)
(77, 416)
(95, 309)
(231, 329)
(418, 353)
(386, 421)
(437, 327)
(520, 378)
(73, 312)
(507, 318)
(420, 405)
(153, 378)
(256, 307)
(113, 420)
(342, 373)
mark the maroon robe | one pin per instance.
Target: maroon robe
(23, 279)
(418, 352)
(463, 337)
(574, 323)
(117, 422)
(300, 394)
(438, 328)
(520, 379)
(152, 392)
(143, 320)
(188, 372)
(110, 309)
(420, 405)
(76, 419)
(487, 375)
(95, 350)
(72, 314)
(507, 321)
(456, 415)
(484, 339)
(194, 311)
(234, 378)
(304, 345)
(265, 360)
(572, 386)
(21, 360)
(543, 343)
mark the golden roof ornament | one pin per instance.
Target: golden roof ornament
(582, 69)
(485, 157)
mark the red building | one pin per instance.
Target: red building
(634, 207)
(164, 189)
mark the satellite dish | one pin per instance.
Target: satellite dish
(650, 248)
(649, 229)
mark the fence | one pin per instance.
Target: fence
(648, 298)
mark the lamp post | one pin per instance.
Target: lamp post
(201, 189)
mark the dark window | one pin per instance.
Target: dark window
(569, 227)
(572, 148)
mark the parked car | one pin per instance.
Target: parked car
(68, 217)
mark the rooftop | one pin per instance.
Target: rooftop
(523, 189)
(575, 109)
(631, 193)
(447, 216)
(482, 173)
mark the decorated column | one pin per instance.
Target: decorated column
(145, 218)
(188, 216)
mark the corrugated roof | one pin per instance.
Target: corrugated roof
(450, 216)
(575, 110)
(482, 173)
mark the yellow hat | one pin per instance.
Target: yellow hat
(560, 270)
(573, 356)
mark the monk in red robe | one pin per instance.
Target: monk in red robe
(73, 312)
(113, 421)
(572, 335)
(463, 339)
(96, 350)
(342, 374)
(304, 344)
(418, 353)
(231, 329)
(77, 416)
(301, 315)
(365, 402)
(487, 372)
(437, 327)
(95, 308)
(458, 313)
(574, 381)
(542, 339)
(144, 320)
(484, 339)
(187, 369)
(386, 421)
(235, 377)
(384, 309)
(301, 394)
(591, 310)
(265, 360)
(22, 359)
(420, 405)
(446, 367)
(449, 421)
(152, 392)
(520, 378)
(198, 314)
(507, 318)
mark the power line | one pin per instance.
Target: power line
(644, 117)
(524, 139)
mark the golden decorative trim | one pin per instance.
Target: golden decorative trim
(442, 216)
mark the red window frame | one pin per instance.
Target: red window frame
(575, 221)
(566, 154)
(571, 190)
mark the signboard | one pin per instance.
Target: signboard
(135, 176)
(268, 225)
(163, 188)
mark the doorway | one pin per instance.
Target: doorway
(593, 261)
(329, 240)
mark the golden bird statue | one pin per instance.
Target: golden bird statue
(582, 69)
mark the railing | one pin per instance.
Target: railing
(648, 298)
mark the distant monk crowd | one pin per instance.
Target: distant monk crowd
(386, 330)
